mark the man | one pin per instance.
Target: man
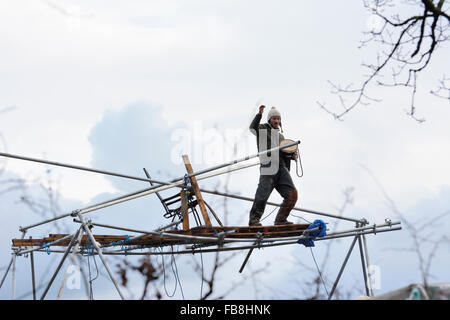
(274, 170)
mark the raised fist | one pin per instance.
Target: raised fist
(261, 109)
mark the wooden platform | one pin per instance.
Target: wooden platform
(155, 240)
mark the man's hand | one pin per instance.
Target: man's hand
(261, 109)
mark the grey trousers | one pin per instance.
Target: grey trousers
(283, 183)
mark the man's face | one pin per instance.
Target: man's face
(275, 121)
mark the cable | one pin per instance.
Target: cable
(201, 287)
(175, 272)
(320, 273)
(269, 214)
(164, 272)
(293, 215)
(300, 218)
(177, 275)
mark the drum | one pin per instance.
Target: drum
(288, 150)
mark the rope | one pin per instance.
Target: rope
(296, 166)
(293, 215)
(300, 218)
(320, 273)
(46, 247)
(269, 214)
(177, 275)
(164, 272)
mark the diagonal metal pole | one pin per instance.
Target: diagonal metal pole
(157, 193)
(246, 258)
(72, 260)
(6, 272)
(226, 164)
(72, 241)
(71, 166)
(49, 244)
(342, 268)
(100, 254)
(277, 205)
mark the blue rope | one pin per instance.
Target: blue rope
(122, 243)
(46, 247)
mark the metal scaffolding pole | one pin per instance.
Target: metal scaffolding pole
(226, 164)
(72, 241)
(247, 257)
(6, 272)
(33, 283)
(342, 268)
(366, 252)
(363, 264)
(100, 254)
(279, 205)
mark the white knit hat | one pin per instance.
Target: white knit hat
(272, 113)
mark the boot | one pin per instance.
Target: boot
(286, 207)
(254, 218)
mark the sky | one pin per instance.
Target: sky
(124, 86)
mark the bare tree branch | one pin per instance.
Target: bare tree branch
(405, 47)
(443, 89)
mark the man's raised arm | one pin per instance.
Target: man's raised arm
(254, 126)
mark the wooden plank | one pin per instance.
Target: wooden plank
(198, 194)
(184, 210)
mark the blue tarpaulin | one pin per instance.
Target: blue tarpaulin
(321, 232)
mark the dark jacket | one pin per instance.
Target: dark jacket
(255, 128)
